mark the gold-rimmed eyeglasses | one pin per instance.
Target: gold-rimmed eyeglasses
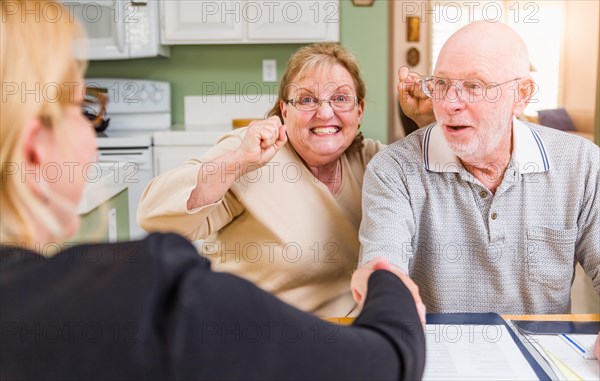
(340, 102)
(94, 108)
(468, 90)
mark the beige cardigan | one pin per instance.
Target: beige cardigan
(278, 226)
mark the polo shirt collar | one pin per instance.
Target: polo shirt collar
(529, 152)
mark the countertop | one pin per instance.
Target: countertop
(104, 181)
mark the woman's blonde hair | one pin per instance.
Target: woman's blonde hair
(38, 75)
(320, 56)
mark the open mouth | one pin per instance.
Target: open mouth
(456, 127)
(325, 130)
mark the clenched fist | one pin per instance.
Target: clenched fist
(262, 141)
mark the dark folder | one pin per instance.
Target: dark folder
(535, 327)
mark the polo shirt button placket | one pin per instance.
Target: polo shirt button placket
(494, 216)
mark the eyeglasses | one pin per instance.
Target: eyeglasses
(94, 108)
(475, 90)
(338, 102)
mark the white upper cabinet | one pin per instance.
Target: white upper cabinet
(249, 21)
(200, 21)
(294, 21)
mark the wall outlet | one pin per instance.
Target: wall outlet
(112, 225)
(269, 72)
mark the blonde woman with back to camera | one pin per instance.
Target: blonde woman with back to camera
(161, 314)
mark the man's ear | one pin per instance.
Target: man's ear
(526, 90)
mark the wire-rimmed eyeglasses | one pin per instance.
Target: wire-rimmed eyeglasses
(94, 108)
(474, 89)
(340, 102)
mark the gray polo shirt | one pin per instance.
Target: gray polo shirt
(473, 251)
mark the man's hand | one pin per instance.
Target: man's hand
(413, 101)
(361, 276)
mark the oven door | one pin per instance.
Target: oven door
(106, 25)
(139, 170)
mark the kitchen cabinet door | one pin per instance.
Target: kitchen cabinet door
(201, 21)
(294, 21)
(249, 21)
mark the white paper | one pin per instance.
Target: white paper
(473, 352)
(555, 346)
(585, 342)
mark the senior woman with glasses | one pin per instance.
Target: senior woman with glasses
(150, 309)
(284, 216)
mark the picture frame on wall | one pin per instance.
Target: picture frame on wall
(413, 29)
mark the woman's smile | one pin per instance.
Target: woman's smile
(325, 130)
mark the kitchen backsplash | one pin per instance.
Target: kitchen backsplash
(209, 112)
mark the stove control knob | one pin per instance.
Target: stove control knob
(143, 95)
(157, 96)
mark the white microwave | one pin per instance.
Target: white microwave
(119, 29)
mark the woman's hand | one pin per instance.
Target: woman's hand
(413, 101)
(361, 276)
(262, 141)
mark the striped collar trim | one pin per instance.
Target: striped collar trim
(529, 152)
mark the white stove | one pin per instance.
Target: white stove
(137, 109)
(125, 139)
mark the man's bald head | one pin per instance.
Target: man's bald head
(504, 50)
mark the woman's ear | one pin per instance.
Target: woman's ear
(38, 146)
(33, 149)
(35, 152)
(361, 111)
(526, 90)
(283, 108)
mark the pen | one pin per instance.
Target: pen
(586, 353)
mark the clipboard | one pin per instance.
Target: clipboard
(489, 319)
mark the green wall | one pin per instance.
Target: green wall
(364, 30)
(94, 225)
(195, 69)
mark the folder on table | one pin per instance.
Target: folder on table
(477, 346)
(567, 347)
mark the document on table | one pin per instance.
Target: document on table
(474, 352)
(566, 362)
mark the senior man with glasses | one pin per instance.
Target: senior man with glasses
(484, 212)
